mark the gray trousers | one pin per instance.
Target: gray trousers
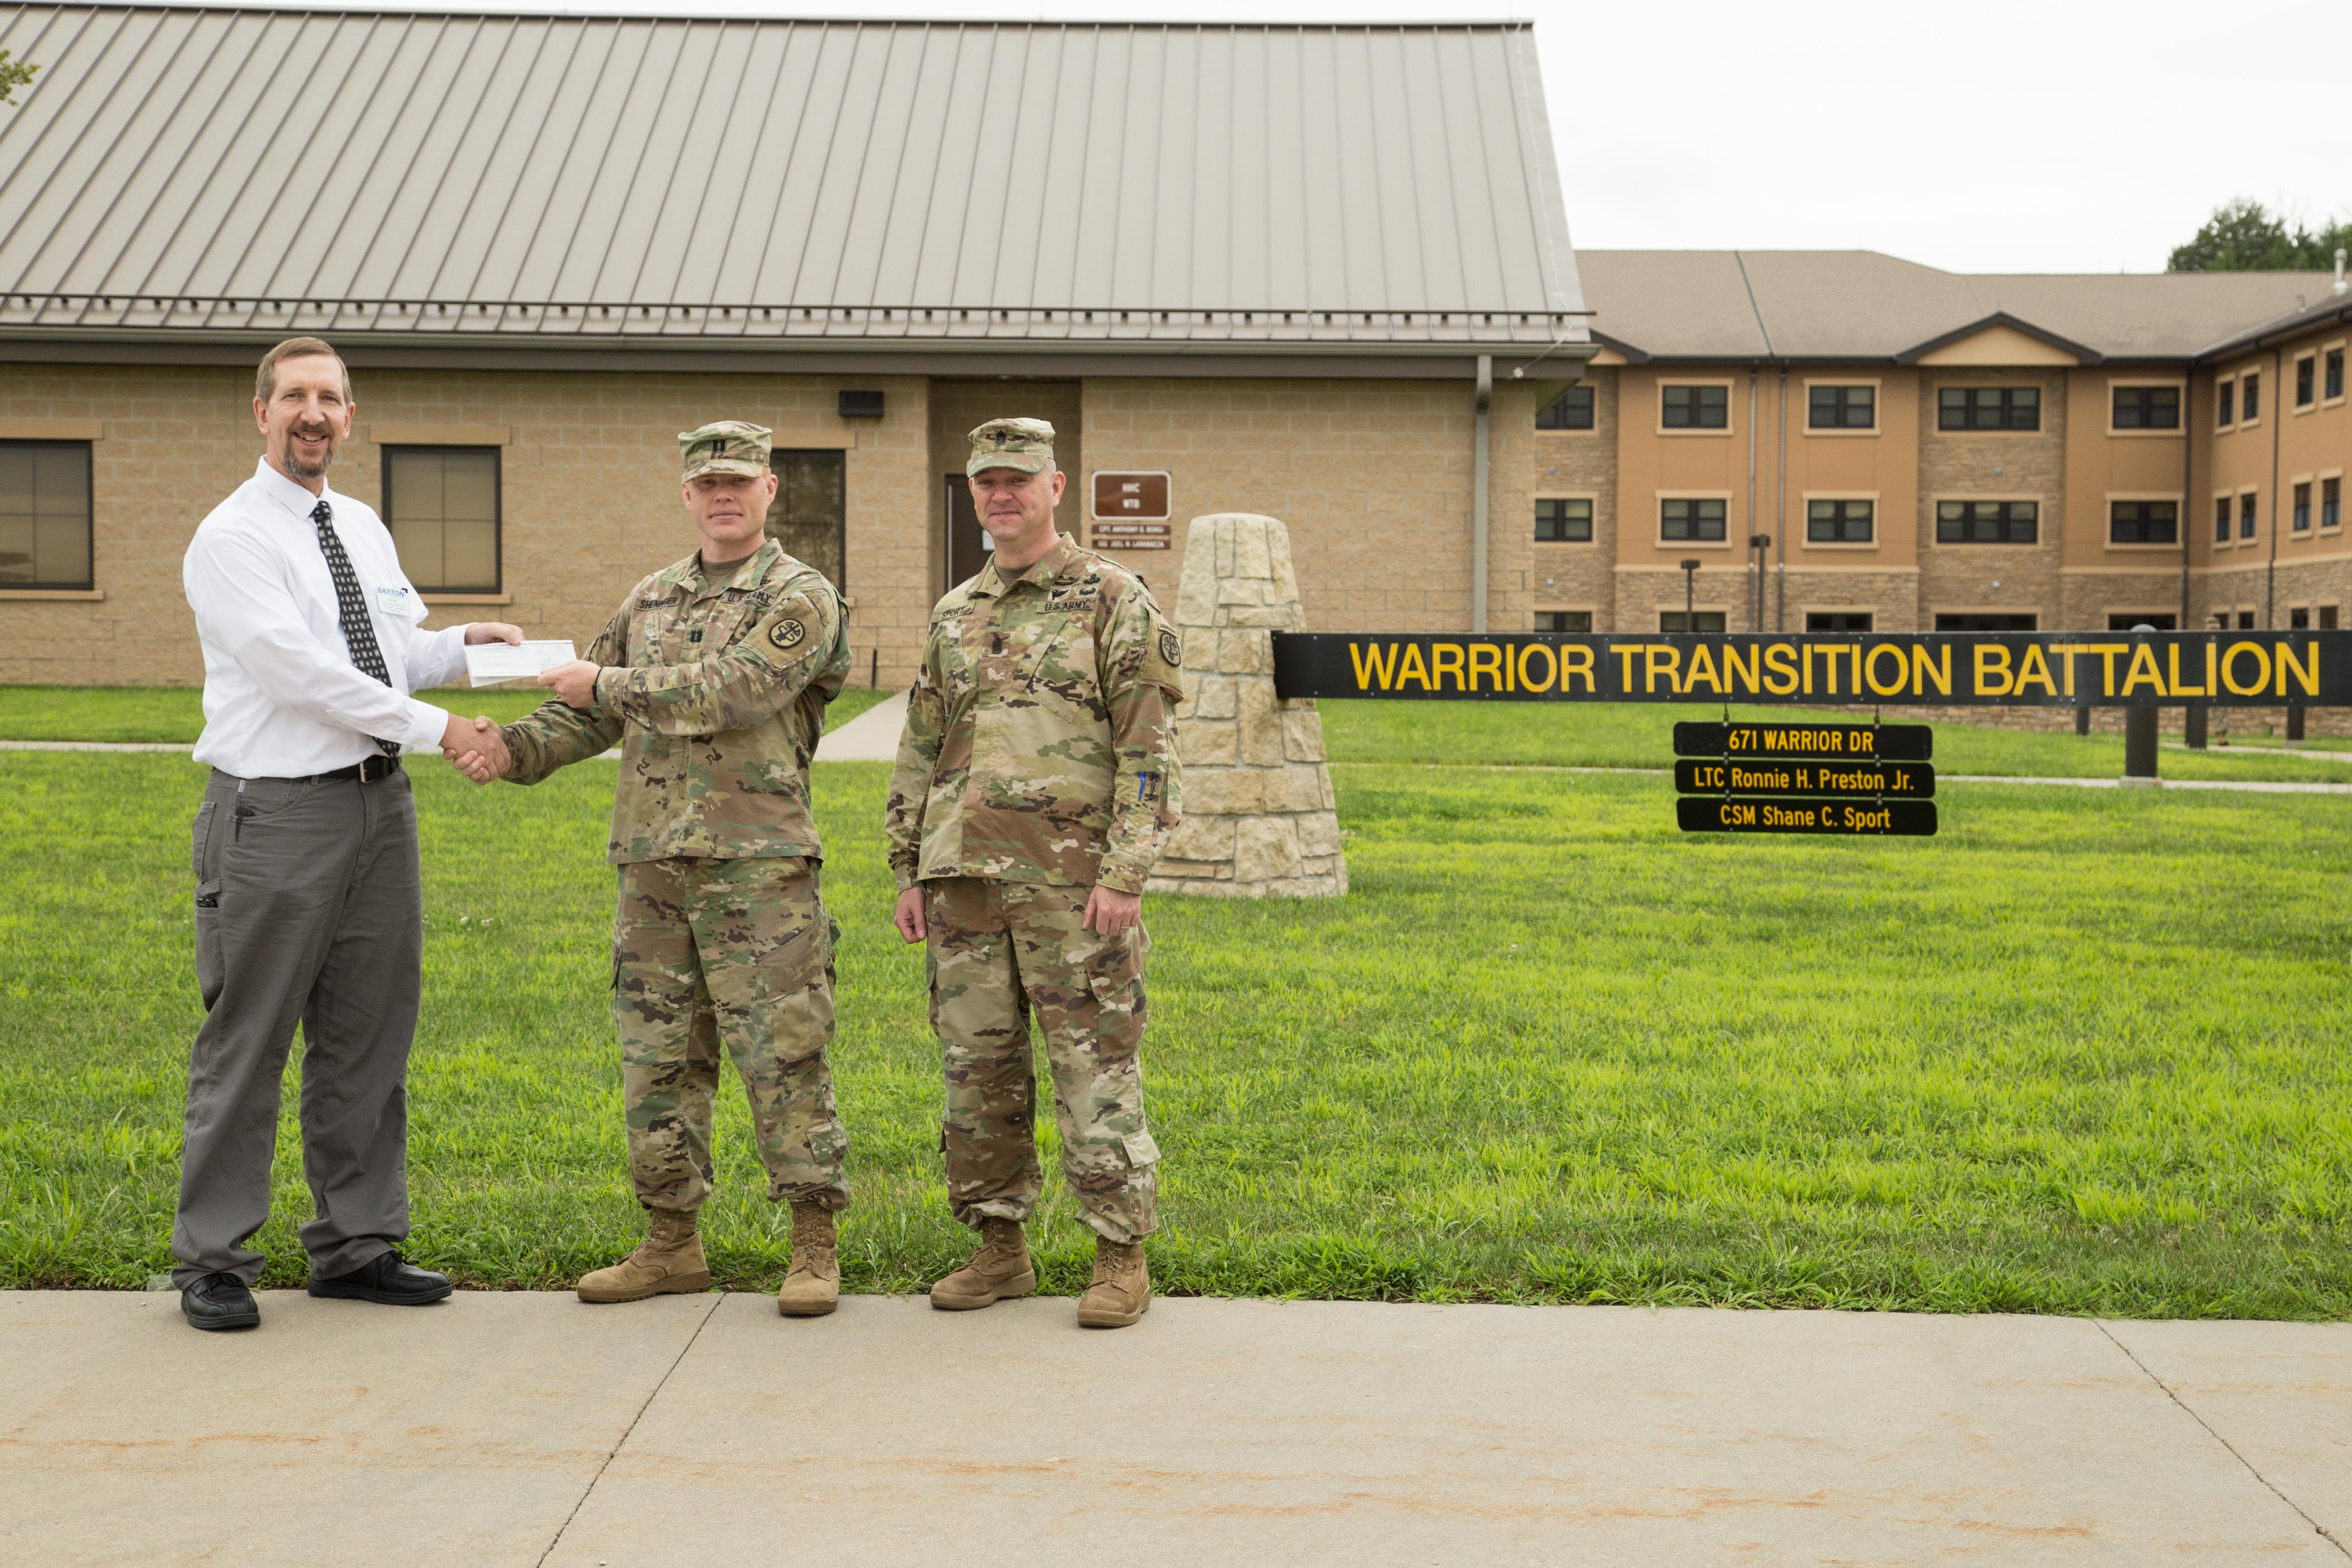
(309, 911)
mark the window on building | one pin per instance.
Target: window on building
(2331, 380)
(45, 514)
(1988, 521)
(2147, 408)
(1699, 621)
(1837, 620)
(2298, 619)
(441, 506)
(1980, 621)
(1843, 409)
(2246, 515)
(2331, 503)
(2143, 522)
(1572, 410)
(1989, 408)
(2327, 617)
(1563, 620)
(1691, 519)
(1695, 408)
(1563, 521)
(2301, 515)
(2225, 404)
(2220, 520)
(2160, 621)
(811, 510)
(2250, 396)
(2245, 620)
(2307, 380)
(1838, 522)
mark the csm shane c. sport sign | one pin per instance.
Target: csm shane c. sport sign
(2059, 669)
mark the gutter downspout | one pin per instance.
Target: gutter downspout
(1478, 498)
(1780, 515)
(1755, 583)
(2277, 417)
(2187, 485)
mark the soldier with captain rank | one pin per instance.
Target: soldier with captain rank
(1036, 781)
(713, 678)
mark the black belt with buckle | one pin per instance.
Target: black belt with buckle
(367, 771)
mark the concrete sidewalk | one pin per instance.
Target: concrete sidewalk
(521, 1429)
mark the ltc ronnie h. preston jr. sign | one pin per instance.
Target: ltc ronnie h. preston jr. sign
(2061, 670)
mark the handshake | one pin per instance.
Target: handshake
(476, 747)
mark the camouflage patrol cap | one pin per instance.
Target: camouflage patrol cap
(1024, 443)
(729, 447)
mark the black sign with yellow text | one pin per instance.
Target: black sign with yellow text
(1891, 818)
(1882, 743)
(2059, 669)
(1709, 775)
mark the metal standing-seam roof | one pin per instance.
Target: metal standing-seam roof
(178, 169)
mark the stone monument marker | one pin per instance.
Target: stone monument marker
(1258, 809)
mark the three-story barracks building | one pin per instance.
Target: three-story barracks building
(1844, 441)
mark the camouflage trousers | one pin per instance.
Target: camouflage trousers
(998, 952)
(738, 951)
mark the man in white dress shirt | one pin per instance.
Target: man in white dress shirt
(309, 903)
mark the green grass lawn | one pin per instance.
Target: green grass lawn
(2081, 1053)
(175, 714)
(1640, 735)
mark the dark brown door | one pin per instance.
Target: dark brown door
(968, 543)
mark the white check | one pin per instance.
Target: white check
(488, 663)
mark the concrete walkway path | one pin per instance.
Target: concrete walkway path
(871, 737)
(527, 1429)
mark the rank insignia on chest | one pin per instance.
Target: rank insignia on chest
(788, 633)
(1170, 649)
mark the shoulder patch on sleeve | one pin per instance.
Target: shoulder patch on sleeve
(1172, 648)
(788, 633)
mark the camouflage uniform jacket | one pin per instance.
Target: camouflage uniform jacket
(714, 687)
(1040, 732)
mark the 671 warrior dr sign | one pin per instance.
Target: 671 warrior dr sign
(2006, 669)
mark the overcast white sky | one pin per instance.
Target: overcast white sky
(2059, 136)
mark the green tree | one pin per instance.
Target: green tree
(13, 74)
(2243, 235)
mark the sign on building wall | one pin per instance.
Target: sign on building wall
(1131, 510)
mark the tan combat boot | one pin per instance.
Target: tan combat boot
(812, 1285)
(1121, 1291)
(999, 1270)
(669, 1262)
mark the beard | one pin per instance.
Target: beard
(291, 460)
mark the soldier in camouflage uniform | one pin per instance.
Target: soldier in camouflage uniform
(713, 678)
(1036, 781)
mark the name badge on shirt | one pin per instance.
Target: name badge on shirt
(392, 602)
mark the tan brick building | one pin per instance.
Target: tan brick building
(1270, 264)
(1932, 451)
(1318, 273)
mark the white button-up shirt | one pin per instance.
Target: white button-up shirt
(282, 698)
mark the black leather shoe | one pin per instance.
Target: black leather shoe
(390, 1280)
(220, 1301)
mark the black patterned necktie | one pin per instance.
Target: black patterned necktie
(358, 633)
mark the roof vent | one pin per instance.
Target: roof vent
(860, 405)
